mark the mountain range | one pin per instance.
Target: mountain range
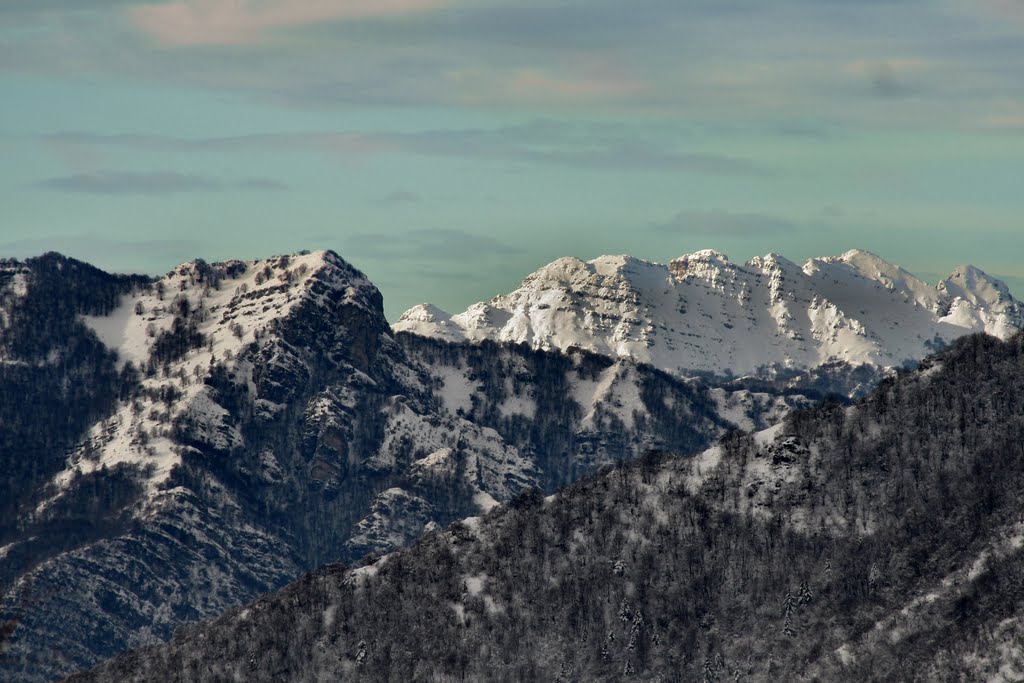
(701, 313)
(183, 444)
(876, 541)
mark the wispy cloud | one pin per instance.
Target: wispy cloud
(1004, 122)
(399, 198)
(888, 78)
(1002, 10)
(541, 142)
(236, 22)
(151, 183)
(267, 184)
(725, 224)
(25, 7)
(698, 60)
(428, 244)
(585, 79)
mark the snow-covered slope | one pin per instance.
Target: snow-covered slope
(702, 313)
(176, 330)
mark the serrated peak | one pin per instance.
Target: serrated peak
(968, 273)
(705, 255)
(425, 312)
(702, 313)
(975, 285)
(560, 269)
(860, 254)
(772, 261)
(299, 265)
(703, 263)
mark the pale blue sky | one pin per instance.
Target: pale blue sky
(448, 147)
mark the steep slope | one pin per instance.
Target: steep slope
(576, 412)
(239, 423)
(703, 314)
(880, 541)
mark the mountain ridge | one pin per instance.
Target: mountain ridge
(697, 313)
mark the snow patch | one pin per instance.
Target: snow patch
(485, 501)
(440, 458)
(733, 406)
(366, 571)
(18, 285)
(700, 466)
(766, 437)
(456, 389)
(7, 548)
(517, 405)
(475, 584)
(614, 391)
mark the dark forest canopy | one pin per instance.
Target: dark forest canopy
(879, 541)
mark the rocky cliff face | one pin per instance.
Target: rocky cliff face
(186, 443)
(702, 314)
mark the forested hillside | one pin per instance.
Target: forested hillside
(56, 379)
(574, 412)
(178, 446)
(880, 541)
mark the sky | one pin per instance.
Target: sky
(450, 147)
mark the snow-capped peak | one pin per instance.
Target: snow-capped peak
(975, 286)
(972, 298)
(430, 315)
(874, 267)
(773, 263)
(703, 313)
(865, 256)
(703, 256)
(707, 265)
(426, 312)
